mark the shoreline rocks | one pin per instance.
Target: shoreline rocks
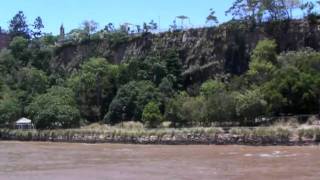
(169, 137)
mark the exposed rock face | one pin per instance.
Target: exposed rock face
(4, 40)
(205, 52)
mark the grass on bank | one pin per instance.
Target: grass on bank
(97, 131)
(279, 132)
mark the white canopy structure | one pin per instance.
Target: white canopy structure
(24, 123)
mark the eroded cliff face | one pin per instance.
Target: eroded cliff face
(4, 40)
(204, 52)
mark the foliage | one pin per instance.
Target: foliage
(152, 25)
(185, 111)
(54, 109)
(221, 107)
(19, 46)
(32, 80)
(265, 51)
(94, 87)
(211, 18)
(250, 105)
(151, 88)
(8, 64)
(130, 100)
(256, 11)
(263, 62)
(19, 26)
(212, 87)
(37, 26)
(157, 67)
(10, 108)
(151, 115)
(247, 10)
(89, 27)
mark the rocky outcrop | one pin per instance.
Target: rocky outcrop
(4, 40)
(204, 52)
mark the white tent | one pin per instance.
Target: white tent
(24, 123)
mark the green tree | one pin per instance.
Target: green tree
(89, 27)
(48, 39)
(257, 10)
(308, 8)
(247, 10)
(130, 100)
(266, 50)
(296, 83)
(280, 9)
(174, 112)
(94, 86)
(37, 26)
(250, 105)
(10, 109)
(8, 64)
(20, 51)
(19, 26)
(29, 83)
(212, 87)
(32, 81)
(220, 108)
(155, 67)
(41, 57)
(174, 67)
(54, 109)
(166, 88)
(211, 18)
(186, 111)
(150, 68)
(263, 62)
(151, 115)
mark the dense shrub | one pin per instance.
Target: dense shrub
(250, 105)
(10, 109)
(185, 111)
(151, 115)
(54, 109)
(130, 100)
(94, 86)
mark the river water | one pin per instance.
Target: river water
(58, 161)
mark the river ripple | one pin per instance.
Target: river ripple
(58, 161)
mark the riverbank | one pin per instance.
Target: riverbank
(188, 136)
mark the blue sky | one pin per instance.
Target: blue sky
(72, 12)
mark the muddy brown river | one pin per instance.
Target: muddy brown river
(57, 161)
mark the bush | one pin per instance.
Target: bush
(151, 115)
(130, 100)
(220, 108)
(250, 105)
(32, 80)
(10, 109)
(94, 87)
(55, 109)
(211, 87)
(184, 111)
